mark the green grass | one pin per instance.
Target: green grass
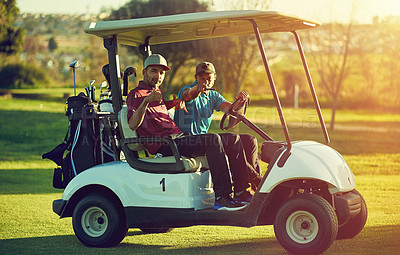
(28, 225)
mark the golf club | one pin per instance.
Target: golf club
(128, 71)
(91, 89)
(73, 65)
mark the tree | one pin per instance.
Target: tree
(390, 34)
(52, 44)
(96, 57)
(235, 55)
(177, 54)
(331, 60)
(11, 38)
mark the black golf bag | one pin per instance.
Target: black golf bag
(81, 143)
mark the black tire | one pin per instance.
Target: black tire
(155, 230)
(306, 224)
(354, 226)
(99, 222)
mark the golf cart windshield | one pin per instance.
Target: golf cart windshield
(144, 32)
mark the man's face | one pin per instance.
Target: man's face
(154, 75)
(206, 78)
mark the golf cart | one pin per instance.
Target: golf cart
(307, 193)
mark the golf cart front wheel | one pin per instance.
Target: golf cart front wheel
(306, 224)
(99, 222)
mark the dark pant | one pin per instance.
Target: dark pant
(210, 145)
(242, 146)
(250, 146)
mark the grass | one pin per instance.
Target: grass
(28, 225)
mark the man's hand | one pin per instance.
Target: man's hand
(202, 88)
(154, 96)
(179, 104)
(243, 96)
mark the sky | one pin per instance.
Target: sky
(320, 10)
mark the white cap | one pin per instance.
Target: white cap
(156, 59)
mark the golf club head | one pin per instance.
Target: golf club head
(74, 64)
(128, 71)
(91, 82)
(103, 85)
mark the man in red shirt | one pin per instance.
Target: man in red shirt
(148, 115)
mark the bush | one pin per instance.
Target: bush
(22, 75)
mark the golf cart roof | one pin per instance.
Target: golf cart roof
(194, 26)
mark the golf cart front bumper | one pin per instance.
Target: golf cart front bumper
(347, 206)
(58, 206)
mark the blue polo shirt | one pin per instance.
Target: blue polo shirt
(200, 111)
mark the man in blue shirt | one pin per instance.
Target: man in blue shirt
(201, 101)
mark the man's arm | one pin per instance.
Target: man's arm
(243, 96)
(190, 93)
(137, 117)
(224, 106)
(177, 103)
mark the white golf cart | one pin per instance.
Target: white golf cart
(307, 193)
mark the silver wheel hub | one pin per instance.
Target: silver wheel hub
(94, 221)
(302, 227)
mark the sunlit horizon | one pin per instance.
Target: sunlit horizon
(321, 10)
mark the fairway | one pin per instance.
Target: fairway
(29, 226)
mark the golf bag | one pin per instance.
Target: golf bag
(81, 143)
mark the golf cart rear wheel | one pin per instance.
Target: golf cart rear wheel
(354, 226)
(155, 230)
(99, 222)
(306, 224)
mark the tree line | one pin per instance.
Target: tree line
(353, 65)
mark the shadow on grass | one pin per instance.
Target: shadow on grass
(69, 244)
(372, 240)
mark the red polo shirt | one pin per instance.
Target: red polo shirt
(156, 122)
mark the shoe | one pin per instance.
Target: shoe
(244, 197)
(226, 203)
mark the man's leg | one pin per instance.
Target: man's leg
(208, 145)
(250, 146)
(237, 161)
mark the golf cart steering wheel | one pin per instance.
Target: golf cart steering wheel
(238, 107)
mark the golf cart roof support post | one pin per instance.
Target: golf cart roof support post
(272, 85)
(310, 83)
(144, 49)
(111, 45)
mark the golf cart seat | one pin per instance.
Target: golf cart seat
(131, 144)
(269, 148)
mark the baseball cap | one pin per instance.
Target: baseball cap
(156, 59)
(205, 67)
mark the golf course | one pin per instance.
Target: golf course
(30, 127)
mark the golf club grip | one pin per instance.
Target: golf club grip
(125, 87)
